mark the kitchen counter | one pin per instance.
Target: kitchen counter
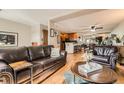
(71, 47)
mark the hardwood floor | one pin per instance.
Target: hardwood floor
(58, 77)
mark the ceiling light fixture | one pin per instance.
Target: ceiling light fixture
(92, 30)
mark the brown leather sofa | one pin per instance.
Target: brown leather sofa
(105, 55)
(39, 56)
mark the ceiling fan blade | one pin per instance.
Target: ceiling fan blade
(85, 29)
(99, 28)
(81, 29)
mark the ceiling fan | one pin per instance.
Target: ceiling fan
(92, 28)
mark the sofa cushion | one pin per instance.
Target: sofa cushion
(37, 68)
(104, 59)
(5, 68)
(49, 62)
(109, 51)
(47, 50)
(98, 50)
(5, 57)
(36, 52)
(14, 55)
(3, 65)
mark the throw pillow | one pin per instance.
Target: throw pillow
(55, 52)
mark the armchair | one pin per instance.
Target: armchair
(105, 55)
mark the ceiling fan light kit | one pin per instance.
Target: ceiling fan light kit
(92, 30)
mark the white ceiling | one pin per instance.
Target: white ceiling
(32, 16)
(67, 20)
(106, 18)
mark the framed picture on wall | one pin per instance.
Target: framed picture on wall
(51, 32)
(56, 33)
(8, 39)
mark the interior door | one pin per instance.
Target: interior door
(45, 37)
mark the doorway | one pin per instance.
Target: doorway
(45, 37)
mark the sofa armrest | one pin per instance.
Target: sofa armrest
(115, 56)
(5, 67)
(113, 60)
(6, 73)
(64, 53)
(6, 78)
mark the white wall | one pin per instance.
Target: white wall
(53, 41)
(37, 33)
(24, 34)
(42, 27)
(119, 30)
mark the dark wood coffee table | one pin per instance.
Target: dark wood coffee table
(104, 76)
